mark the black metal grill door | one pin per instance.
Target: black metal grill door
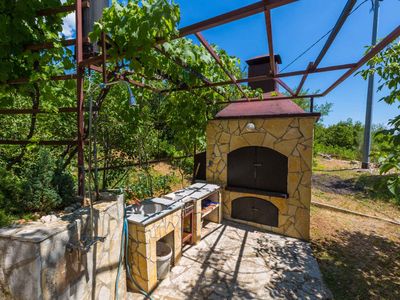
(255, 210)
(258, 168)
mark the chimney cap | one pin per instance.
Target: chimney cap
(263, 59)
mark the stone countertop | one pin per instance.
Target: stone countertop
(196, 191)
(145, 219)
(172, 201)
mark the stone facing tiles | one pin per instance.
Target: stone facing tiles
(36, 262)
(293, 137)
(142, 254)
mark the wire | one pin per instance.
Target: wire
(320, 39)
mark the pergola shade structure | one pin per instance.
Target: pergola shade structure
(97, 61)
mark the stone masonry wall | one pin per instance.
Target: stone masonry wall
(142, 248)
(293, 137)
(42, 261)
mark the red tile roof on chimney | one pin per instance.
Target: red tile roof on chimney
(266, 108)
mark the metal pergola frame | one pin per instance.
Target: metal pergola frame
(98, 63)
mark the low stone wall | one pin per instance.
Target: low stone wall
(47, 261)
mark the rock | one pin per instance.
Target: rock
(48, 219)
(326, 156)
(69, 209)
(76, 205)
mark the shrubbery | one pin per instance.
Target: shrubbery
(147, 185)
(344, 140)
(39, 184)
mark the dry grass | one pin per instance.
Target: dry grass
(359, 257)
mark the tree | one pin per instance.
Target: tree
(143, 46)
(386, 65)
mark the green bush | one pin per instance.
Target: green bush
(39, 184)
(344, 140)
(5, 219)
(337, 152)
(147, 185)
(345, 134)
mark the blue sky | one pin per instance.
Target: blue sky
(295, 27)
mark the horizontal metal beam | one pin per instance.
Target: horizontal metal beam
(318, 70)
(271, 99)
(49, 45)
(53, 78)
(61, 9)
(265, 77)
(339, 24)
(233, 15)
(28, 111)
(129, 165)
(374, 51)
(42, 143)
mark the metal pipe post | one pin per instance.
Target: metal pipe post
(370, 97)
(80, 100)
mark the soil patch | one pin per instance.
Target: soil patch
(335, 184)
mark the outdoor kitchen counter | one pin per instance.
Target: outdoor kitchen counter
(151, 210)
(197, 193)
(160, 220)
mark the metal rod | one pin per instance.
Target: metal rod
(27, 111)
(54, 78)
(61, 9)
(268, 24)
(278, 98)
(231, 16)
(285, 86)
(104, 54)
(43, 143)
(375, 50)
(311, 104)
(264, 77)
(318, 70)
(210, 50)
(80, 100)
(342, 18)
(303, 79)
(138, 164)
(49, 45)
(370, 96)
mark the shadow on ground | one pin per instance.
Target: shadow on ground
(360, 266)
(235, 261)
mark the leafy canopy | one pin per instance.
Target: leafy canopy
(20, 27)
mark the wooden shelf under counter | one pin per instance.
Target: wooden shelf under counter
(209, 209)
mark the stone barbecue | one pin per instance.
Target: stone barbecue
(261, 153)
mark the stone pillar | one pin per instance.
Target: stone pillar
(142, 249)
(197, 222)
